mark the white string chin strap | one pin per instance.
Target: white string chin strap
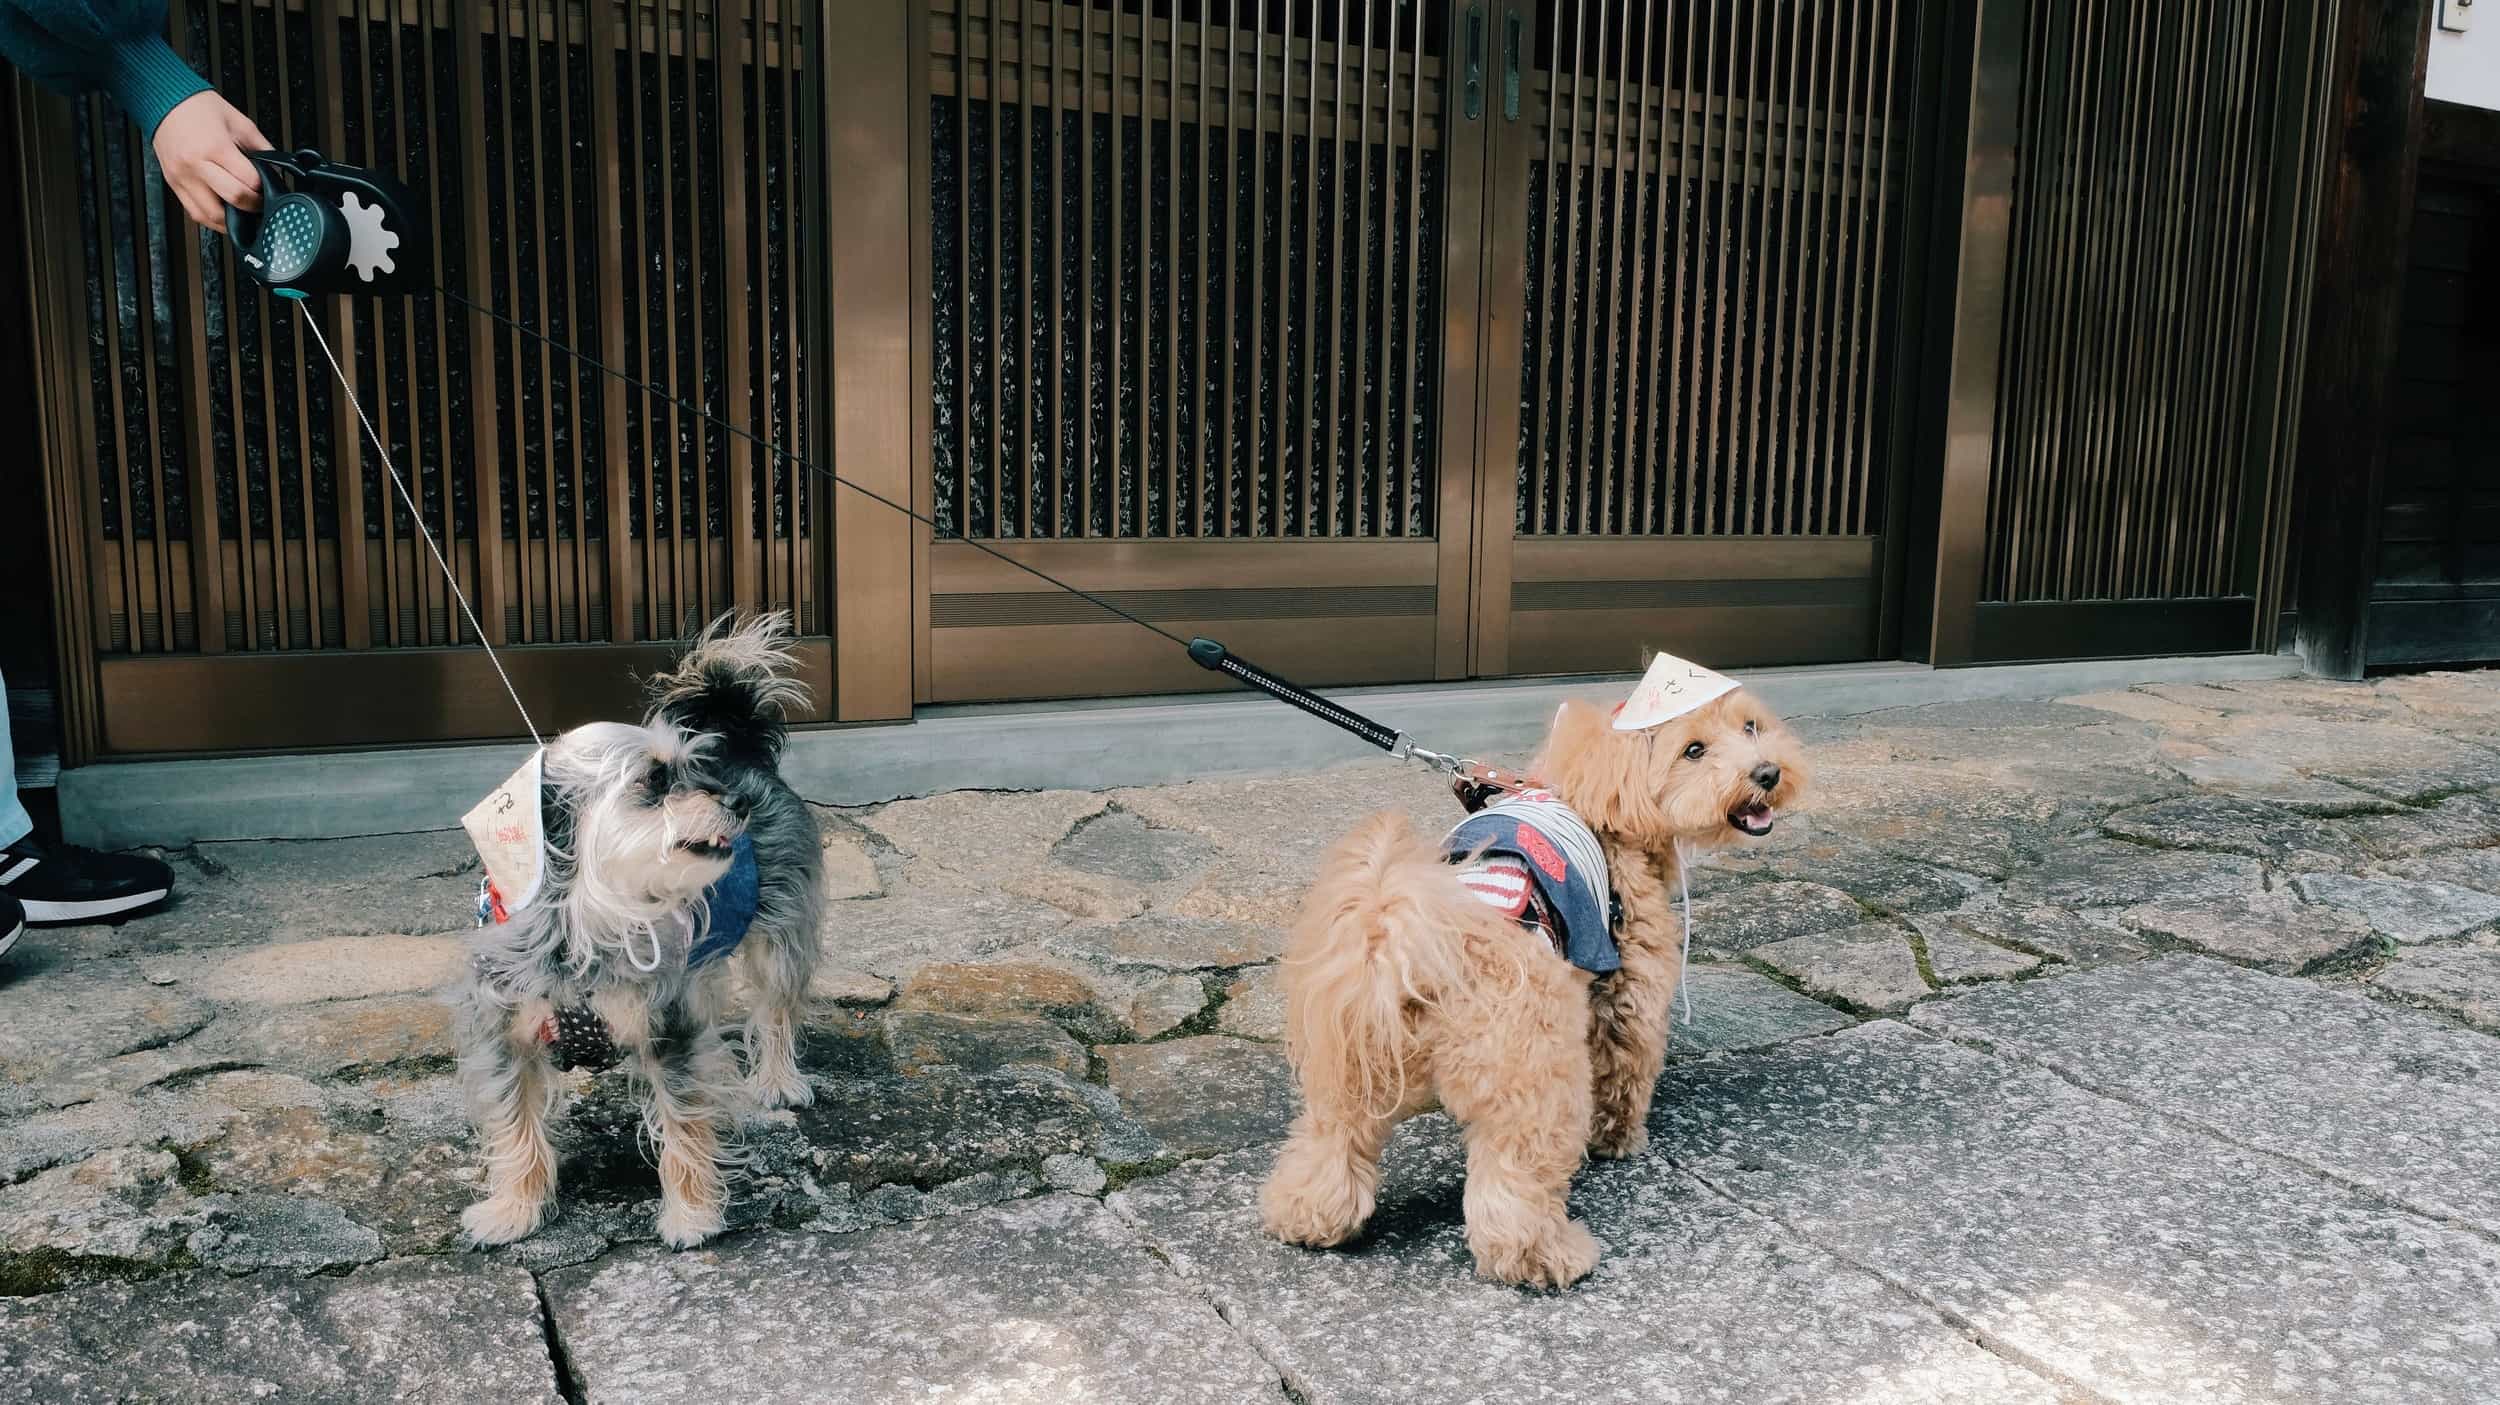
(1684, 966)
(417, 516)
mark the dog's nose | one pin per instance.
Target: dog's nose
(1767, 775)
(737, 805)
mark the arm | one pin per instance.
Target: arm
(118, 47)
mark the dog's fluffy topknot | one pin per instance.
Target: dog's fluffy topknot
(734, 681)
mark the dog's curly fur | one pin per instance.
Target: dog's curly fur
(1402, 989)
(638, 817)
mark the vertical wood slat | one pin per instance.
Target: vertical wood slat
(1768, 99)
(1567, 463)
(1255, 295)
(1201, 142)
(1225, 394)
(652, 287)
(153, 408)
(1331, 464)
(360, 24)
(427, 583)
(549, 493)
(608, 177)
(1738, 466)
(301, 354)
(1609, 315)
(189, 335)
(566, 288)
(346, 437)
(1796, 133)
(1056, 524)
(1115, 322)
(700, 591)
(455, 629)
(1350, 449)
(731, 33)
(1087, 273)
(1171, 261)
(792, 589)
(1276, 362)
(1408, 473)
(1311, 271)
(1633, 473)
(256, 315)
(233, 318)
(1627, 311)
(486, 442)
(1026, 382)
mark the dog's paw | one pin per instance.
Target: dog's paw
(1612, 1145)
(685, 1226)
(1557, 1257)
(502, 1220)
(786, 1087)
(1315, 1214)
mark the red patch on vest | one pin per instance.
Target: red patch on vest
(1542, 853)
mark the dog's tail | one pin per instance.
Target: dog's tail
(1383, 941)
(734, 681)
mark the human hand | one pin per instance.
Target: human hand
(200, 146)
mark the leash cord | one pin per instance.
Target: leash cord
(786, 456)
(1684, 963)
(417, 516)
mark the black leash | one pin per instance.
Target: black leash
(325, 227)
(1208, 654)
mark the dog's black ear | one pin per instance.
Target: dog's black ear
(555, 820)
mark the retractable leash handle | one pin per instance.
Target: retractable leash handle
(325, 227)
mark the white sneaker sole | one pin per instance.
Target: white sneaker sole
(9, 938)
(43, 912)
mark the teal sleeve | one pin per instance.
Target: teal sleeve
(149, 80)
(114, 46)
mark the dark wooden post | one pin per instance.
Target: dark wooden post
(2363, 230)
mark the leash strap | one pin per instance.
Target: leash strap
(1214, 657)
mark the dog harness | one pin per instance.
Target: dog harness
(1531, 857)
(576, 1034)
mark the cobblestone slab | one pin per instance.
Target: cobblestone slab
(417, 1330)
(2130, 1255)
(2382, 1097)
(1694, 1301)
(1044, 1301)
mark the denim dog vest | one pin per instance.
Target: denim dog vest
(578, 1037)
(1529, 855)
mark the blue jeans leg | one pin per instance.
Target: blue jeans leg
(15, 823)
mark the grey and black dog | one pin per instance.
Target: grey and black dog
(643, 821)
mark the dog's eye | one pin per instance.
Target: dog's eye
(656, 780)
(1749, 726)
(1693, 752)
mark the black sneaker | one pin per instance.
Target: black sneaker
(61, 883)
(12, 922)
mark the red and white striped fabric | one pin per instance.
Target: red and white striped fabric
(1502, 882)
(1499, 880)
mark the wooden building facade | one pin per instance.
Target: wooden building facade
(1385, 339)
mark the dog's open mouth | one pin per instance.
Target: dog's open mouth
(715, 846)
(1753, 817)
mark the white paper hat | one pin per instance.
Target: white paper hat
(1671, 688)
(510, 834)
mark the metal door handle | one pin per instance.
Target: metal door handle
(1511, 26)
(1474, 89)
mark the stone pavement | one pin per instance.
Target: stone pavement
(2140, 1046)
